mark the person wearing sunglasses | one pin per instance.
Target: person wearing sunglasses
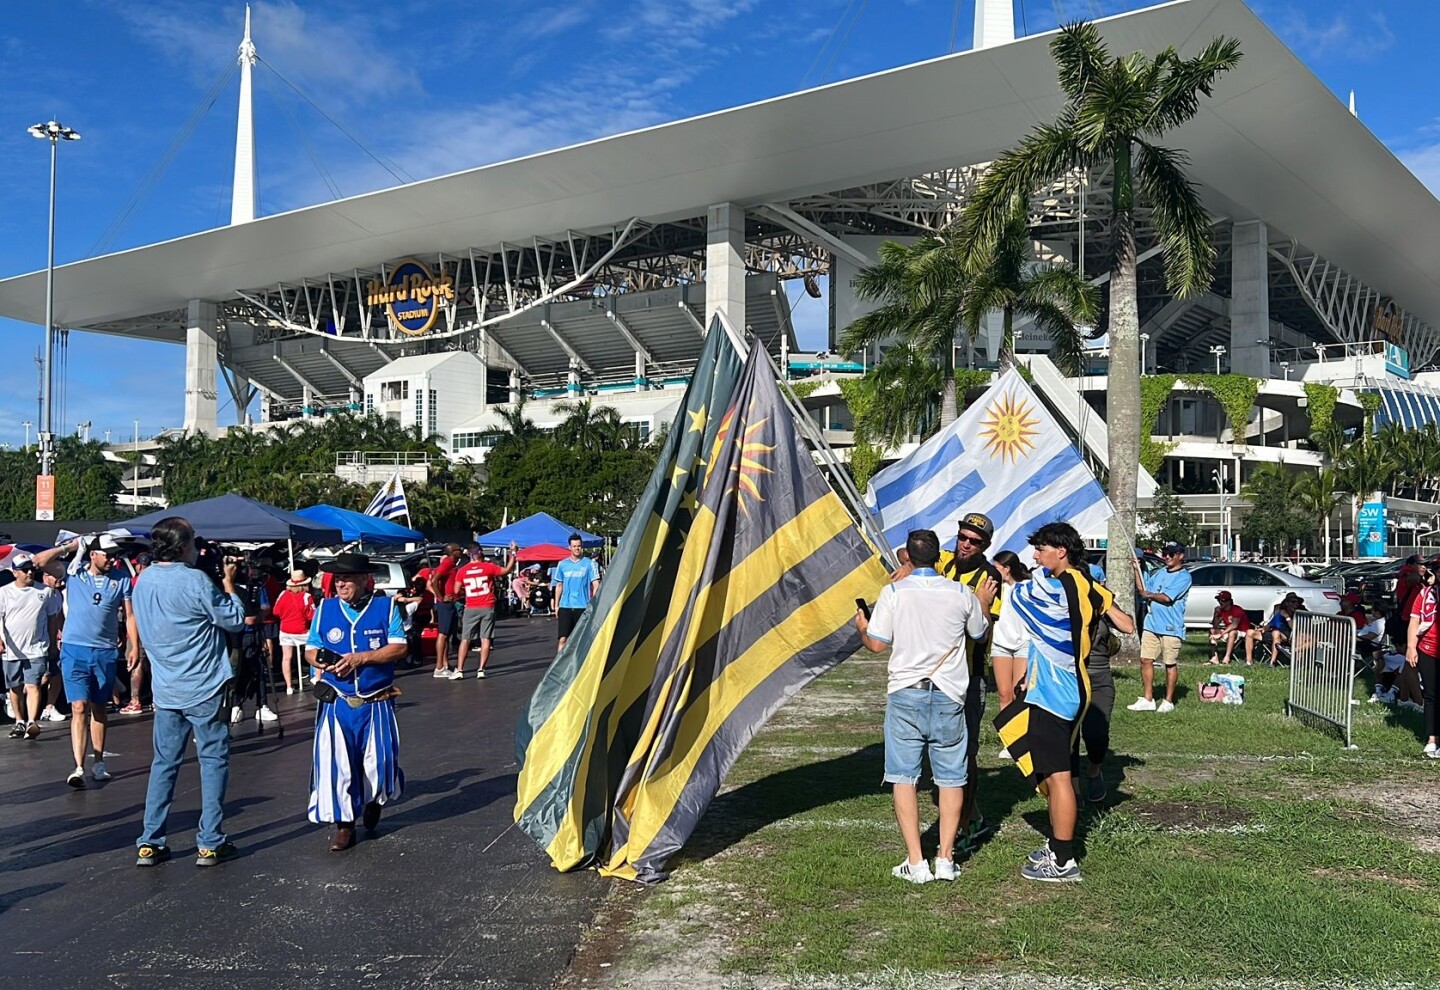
(97, 600)
(1165, 592)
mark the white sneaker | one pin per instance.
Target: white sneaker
(913, 872)
(456, 675)
(76, 778)
(289, 690)
(266, 715)
(480, 675)
(944, 869)
(236, 715)
(441, 673)
(1165, 706)
(1142, 705)
(1004, 754)
(52, 714)
(1430, 749)
(98, 771)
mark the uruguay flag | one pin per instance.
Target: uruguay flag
(1005, 457)
(389, 502)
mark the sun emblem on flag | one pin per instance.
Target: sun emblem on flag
(1008, 427)
(745, 474)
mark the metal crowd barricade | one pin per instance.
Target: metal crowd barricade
(1322, 668)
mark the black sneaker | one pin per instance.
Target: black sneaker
(1095, 790)
(151, 855)
(17, 730)
(222, 853)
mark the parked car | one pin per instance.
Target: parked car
(1257, 589)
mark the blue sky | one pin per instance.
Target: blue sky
(434, 87)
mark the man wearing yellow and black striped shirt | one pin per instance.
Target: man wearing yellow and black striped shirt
(969, 565)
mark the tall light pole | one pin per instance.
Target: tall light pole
(27, 424)
(1144, 342)
(53, 132)
(136, 476)
(1220, 476)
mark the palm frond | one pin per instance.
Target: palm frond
(1080, 57)
(1067, 342)
(1042, 156)
(1180, 220)
(1178, 98)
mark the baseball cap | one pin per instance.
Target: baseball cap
(979, 522)
(1224, 596)
(22, 562)
(1172, 548)
(107, 543)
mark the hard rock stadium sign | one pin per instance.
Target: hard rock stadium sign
(412, 295)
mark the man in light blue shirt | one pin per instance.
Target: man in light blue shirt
(577, 579)
(96, 599)
(1166, 592)
(183, 619)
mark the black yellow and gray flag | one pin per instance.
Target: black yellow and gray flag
(735, 586)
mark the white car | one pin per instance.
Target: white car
(1256, 588)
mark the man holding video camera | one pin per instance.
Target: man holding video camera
(184, 619)
(355, 640)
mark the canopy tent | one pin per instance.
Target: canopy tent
(239, 519)
(534, 530)
(358, 526)
(543, 553)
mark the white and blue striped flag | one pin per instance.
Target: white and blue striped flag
(1005, 457)
(389, 502)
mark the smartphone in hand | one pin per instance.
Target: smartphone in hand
(864, 607)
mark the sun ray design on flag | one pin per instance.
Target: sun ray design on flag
(1008, 428)
(747, 470)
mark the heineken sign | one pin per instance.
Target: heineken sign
(412, 295)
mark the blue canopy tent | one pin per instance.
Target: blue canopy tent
(236, 519)
(539, 528)
(357, 526)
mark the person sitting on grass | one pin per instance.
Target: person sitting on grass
(1369, 632)
(1388, 668)
(1228, 624)
(1277, 630)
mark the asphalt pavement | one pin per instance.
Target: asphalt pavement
(449, 893)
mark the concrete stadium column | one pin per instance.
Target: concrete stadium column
(572, 381)
(1250, 299)
(202, 363)
(725, 265)
(640, 383)
(514, 387)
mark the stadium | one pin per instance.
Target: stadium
(594, 270)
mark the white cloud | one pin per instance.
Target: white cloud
(1342, 36)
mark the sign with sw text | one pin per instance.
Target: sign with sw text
(1370, 530)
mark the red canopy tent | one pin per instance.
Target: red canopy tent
(543, 553)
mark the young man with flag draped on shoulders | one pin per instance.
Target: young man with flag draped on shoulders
(1053, 617)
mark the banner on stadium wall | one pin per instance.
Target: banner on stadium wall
(1370, 530)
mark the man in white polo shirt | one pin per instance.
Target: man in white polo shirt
(924, 620)
(29, 618)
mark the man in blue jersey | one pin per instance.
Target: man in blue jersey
(96, 599)
(355, 640)
(1165, 592)
(577, 579)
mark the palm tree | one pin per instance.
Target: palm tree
(1116, 108)
(518, 427)
(903, 398)
(1055, 297)
(1317, 496)
(1364, 469)
(921, 288)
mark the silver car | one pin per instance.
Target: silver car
(1256, 588)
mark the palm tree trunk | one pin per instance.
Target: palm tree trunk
(949, 408)
(1122, 402)
(1007, 340)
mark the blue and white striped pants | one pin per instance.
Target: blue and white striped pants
(357, 760)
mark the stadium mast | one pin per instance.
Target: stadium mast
(242, 195)
(994, 23)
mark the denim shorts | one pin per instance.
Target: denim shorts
(917, 720)
(88, 672)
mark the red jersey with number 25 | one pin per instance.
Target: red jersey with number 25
(476, 581)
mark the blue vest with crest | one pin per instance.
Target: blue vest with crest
(369, 631)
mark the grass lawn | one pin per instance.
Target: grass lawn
(1237, 848)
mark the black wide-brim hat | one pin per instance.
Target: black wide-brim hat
(350, 563)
